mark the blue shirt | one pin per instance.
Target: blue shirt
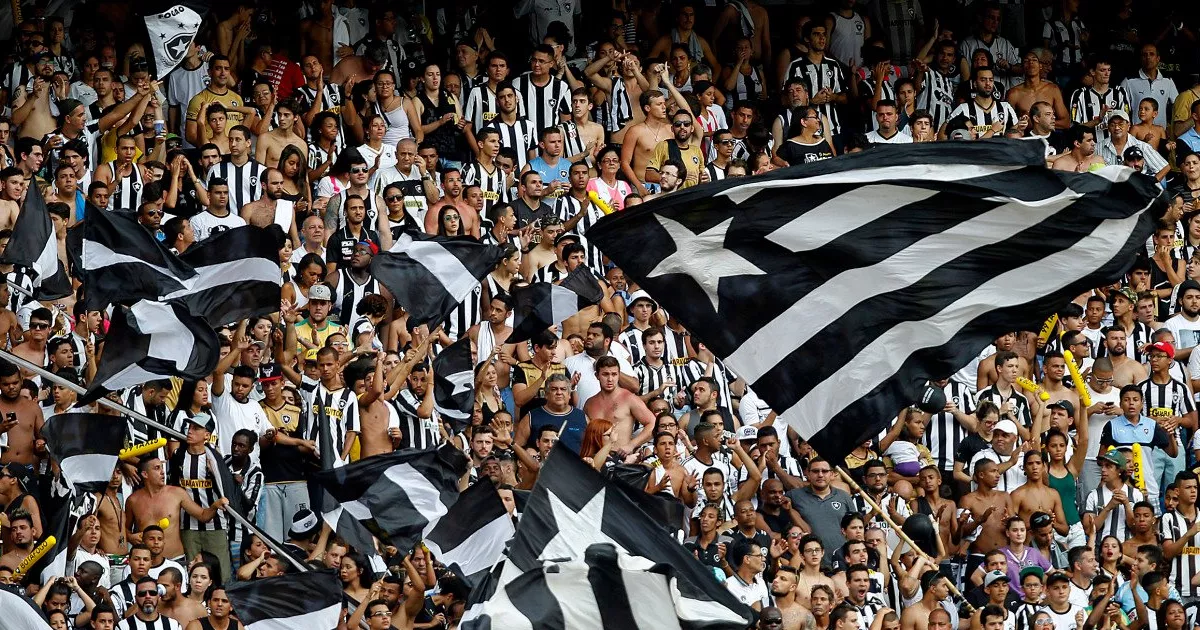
(560, 172)
(571, 435)
(1191, 138)
(1124, 596)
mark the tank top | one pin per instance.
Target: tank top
(368, 202)
(695, 50)
(846, 41)
(126, 192)
(301, 299)
(1065, 487)
(443, 138)
(397, 123)
(234, 624)
(748, 87)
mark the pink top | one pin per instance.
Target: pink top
(614, 195)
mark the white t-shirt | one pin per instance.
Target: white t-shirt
(1065, 621)
(1187, 333)
(205, 224)
(233, 416)
(749, 593)
(585, 367)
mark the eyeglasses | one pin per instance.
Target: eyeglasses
(451, 216)
(1043, 622)
(359, 170)
(154, 213)
(392, 198)
(1103, 380)
(819, 471)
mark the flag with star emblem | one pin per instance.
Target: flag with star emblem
(541, 305)
(837, 289)
(172, 27)
(571, 511)
(454, 382)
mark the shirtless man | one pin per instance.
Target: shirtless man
(987, 367)
(640, 139)
(942, 510)
(919, 615)
(985, 509)
(10, 326)
(173, 603)
(623, 407)
(1034, 89)
(272, 143)
(610, 66)
(1054, 370)
(1143, 532)
(1126, 371)
(590, 134)
(1082, 157)
(547, 251)
(20, 418)
(21, 534)
(155, 500)
(12, 190)
(262, 212)
(495, 315)
(1035, 495)
(31, 111)
(112, 518)
(316, 35)
(812, 550)
(785, 593)
(375, 436)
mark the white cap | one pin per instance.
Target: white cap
(1007, 426)
(747, 433)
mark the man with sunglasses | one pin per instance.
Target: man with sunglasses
(33, 348)
(146, 615)
(684, 146)
(150, 217)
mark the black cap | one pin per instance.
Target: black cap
(1188, 284)
(269, 371)
(1133, 153)
(1065, 405)
(1040, 519)
(20, 472)
(1056, 577)
(566, 236)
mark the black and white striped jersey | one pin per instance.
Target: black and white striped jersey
(1024, 415)
(566, 207)
(573, 143)
(243, 181)
(1087, 104)
(1172, 526)
(415, 431)
(351, 292)
(944, 433)
(692, 369)
(163, 622)
(138, 432)
(543, 106)
(493, 184)
(651, 378)
(1114, 522)
(340, 409)
(1133, 342)
(521, 136)
(466, 314)
(18, 75)
(481, 106)
(1066, 40)
(251, 487)
(937, 95)
(632, 340)
(198, 481)
(126, 192)
(826, 74)
(715, 173)
(982, 117)
(1165, 400)
(618, 109)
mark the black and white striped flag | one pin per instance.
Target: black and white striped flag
(150, 340)
(454, 382)
(540, 305)
(571, 509)
(86, 447)
(311, 600)
(34, 246)
(430, 275)
(237, 275)
(123, 262)
(837, 289)
(470, 538)
(20, 613)
(398, 496)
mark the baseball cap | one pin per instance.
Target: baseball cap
(1187, 285)
(204, 421)
(1112, 456)
(1007, 426)
(1034, 570)
(304, 523)
(994, 576)
(1125, 292)
(38, 56)
(310, 355)
(1162, 346)
(1040, 519)
(270, 371)
(1065, 405)
(20, 472)
(565, 236)
(960, 134)
(1056, 577)
(370, 247)
(1133, 153)
(747, 433)
(320, 292)
(1118, 113)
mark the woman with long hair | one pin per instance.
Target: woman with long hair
(487, 395)
(606, 185)
(375, 150)
(902, 445)
(500, 279)
(259, 329)
(337, 180)
(450, 222)
(355, 575)
(1171, 616)
(1111, 558)
(804, 143)
(597, 437)
(440, 113)
(295, 179)
(193, 400)
(398, 218)
(1019, 554)
(307, 273)
(325, 146)
(1063, 476)
(394, 107)
(200, 577)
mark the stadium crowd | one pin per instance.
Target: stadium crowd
(521, 124)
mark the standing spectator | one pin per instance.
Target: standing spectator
(1150, 83)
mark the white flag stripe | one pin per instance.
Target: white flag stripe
(576, 599)
(316, 620)
(837, 296)
(564, 303)
(356, 510)
(424, 496)
(98, 256)
(857, 376)
(87, 467)
(648, 594)
(829, 221)
(130, 376)
(919, 172)
(240, 270)
(447, 268)
(477, 553)
(20, 613)
(46, 264)
(169, 341)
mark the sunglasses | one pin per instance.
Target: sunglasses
(38, 326)
(681, 123)
(359, 170)
(451, 216)
(392, 198)
(147, 593)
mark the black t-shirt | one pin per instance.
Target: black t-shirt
(760, 538)
(526, 215)
(778, 523)
(967, 449)
(286, 462)
(795, 153)
(341, 245)
(708, 555)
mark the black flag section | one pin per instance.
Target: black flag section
(838, 288)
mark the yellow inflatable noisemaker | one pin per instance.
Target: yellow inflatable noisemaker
(1033, 388)
(1085, 398)
(42, 549)
(143, 448)
(600, 203)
